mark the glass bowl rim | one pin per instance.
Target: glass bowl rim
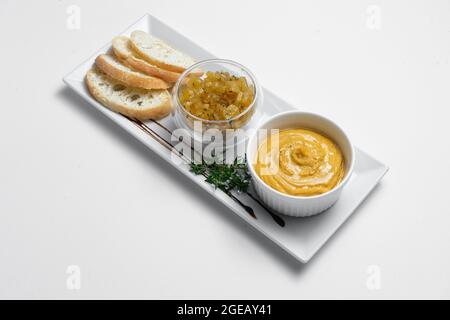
(218, 61)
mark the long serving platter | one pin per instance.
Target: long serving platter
(300, 237)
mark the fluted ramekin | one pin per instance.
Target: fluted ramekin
(301, 206)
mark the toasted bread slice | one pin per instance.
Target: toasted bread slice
(136, 103)
(121, 48)
(113, 67)
(159, 53)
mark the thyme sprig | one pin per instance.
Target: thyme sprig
(226, 177)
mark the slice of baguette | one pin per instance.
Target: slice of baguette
(159, 53)
(121, 47)
(133, 102)
(115, 69)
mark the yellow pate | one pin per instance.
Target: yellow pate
(309, 163)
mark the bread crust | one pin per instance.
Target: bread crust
(152, 70)
(132, 79)
(155, 112)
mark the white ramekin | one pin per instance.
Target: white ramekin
(299, 206)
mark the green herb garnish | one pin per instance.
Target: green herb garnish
(226, 177)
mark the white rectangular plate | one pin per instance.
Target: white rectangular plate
(300, 237)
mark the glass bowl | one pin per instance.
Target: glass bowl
(185, 119)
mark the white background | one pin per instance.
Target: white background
(76, 190)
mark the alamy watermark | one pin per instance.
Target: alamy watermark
(373, 281)
(73, 280)
(373, 20)
(222, 146)
(73, 21)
